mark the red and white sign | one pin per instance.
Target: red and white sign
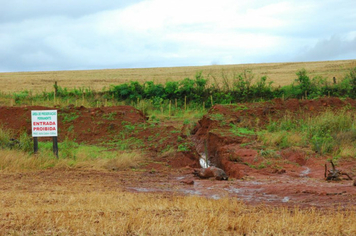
(44, 123)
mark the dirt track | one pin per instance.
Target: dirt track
(298, 180)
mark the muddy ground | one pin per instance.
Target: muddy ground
(296, 178)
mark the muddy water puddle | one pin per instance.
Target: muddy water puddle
(242, 190)
(281, 190)
(305, 172)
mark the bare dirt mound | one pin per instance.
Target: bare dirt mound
(118, 127)
(82, 124)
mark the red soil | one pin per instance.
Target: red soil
(295, 178)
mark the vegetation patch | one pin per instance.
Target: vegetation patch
(241, 131)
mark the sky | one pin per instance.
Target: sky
(52, 35)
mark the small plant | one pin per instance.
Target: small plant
(175, 131)
(323, 144)
(183, 147)
(129, 128)
(168, 149)
(239, 107)
(70, 128)
(269, 153)
(110, 116)
(186, 122)
(217, 116)
(68, 117)
(261, 166)
(240, 131)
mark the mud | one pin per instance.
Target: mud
(295, 178)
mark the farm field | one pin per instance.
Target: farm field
(280, 73)
(121, 171)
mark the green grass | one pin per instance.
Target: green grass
(217, 117)
(327, 133)
(68, 117)
(19, 156)
(8, 141)
(110, 116)
(241, 131)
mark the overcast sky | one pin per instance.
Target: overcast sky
(40, 35)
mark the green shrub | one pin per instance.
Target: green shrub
(236, 87)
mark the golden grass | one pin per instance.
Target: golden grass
(31, 205)
(122, 213)
(296, 139)
(280, 73)
(347, 150)
(12, 160)
(15, 161)
(123, 161)
(273, 139)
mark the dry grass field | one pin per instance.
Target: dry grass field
(83, 200)
(68, 212)
(279, 73)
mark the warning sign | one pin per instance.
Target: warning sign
(44, 123)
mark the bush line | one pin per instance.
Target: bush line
(238, 88)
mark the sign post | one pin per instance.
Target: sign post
(44, 124)
(55, 146)
(35, 145)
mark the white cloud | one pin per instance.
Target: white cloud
(334, 47)
(112, 34)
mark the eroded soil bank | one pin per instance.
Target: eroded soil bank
(297, 178)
